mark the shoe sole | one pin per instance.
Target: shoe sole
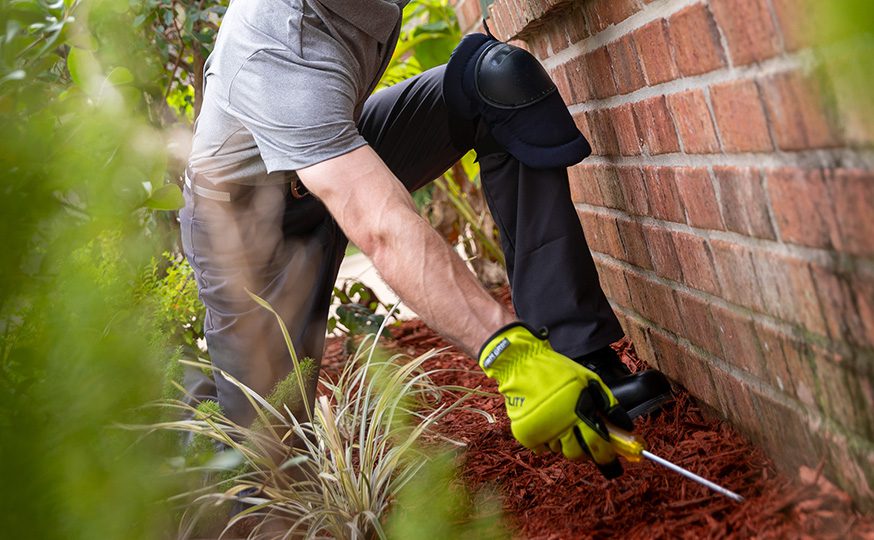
(650, 406)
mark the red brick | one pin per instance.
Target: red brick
(592, 231)
(612, 279)
(634, 190)
(559, 77)
(584, 185)
(799, 358)
(698, 198)
(695, 38)
(778, 373)
(839, 299)
(744, 203)
(737, 277)
(638, 335)
(654, 301)
(740, 345)
(684, 366)
(853, 198)
(664, 201)
(656, 56)
(601, 233)
(619, 10)
(578, 79)
(662, 252)
(630, 142)
(577, 28)
(497, 20)
(796, 18)
(740, 117)
(748, 29)
(843, 393)
(788, 290)
(796, 109)
(626, 67)
(698, 323)
(656, 125)
(603, 13)
(786, 432)
(581, 119)
(668, 354)
(556, 32)
(503, 21)
(600, 73)
(634, 244)
(694, 122)
(601, 134)
(862, 285)
(537, 45)
(852, 464)
(611, 191)
(696, 262)
(697, 378)
(802, 207)
(736, 403)
(468, 13)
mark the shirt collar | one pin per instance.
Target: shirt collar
(376, 18)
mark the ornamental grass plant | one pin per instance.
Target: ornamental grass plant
(335, 469)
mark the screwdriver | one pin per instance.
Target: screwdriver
(633, 448)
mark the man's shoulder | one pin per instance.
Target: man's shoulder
(252, 25)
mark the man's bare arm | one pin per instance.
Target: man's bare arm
(377, 214)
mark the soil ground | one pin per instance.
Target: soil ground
(548, 497)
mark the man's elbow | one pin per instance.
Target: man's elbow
(379, 235)
(371, 242)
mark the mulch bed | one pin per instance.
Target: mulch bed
(548, 497)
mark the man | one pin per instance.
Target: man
(293, 157)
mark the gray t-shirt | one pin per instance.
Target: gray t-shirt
(285, 85)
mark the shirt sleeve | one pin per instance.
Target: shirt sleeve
(298, 113)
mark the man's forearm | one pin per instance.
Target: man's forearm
(377, 214)
(433, 280)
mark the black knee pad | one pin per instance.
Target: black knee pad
(512, 92)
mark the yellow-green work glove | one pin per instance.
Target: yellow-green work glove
(553, 402)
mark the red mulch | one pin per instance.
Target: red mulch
(548, 497)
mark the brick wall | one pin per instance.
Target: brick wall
(729, 206)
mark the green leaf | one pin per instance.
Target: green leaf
(167, 197)
(82, 66)
(434, 52)
(119, 76)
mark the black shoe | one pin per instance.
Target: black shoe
(638, 393)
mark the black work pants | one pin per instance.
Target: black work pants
(288, 250)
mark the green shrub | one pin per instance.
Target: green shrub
(335, 471)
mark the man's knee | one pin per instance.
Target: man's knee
(512, 93)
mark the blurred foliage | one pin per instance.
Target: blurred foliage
(844, 29)
(449, 512)
(356, 309)
(429, 33)
(367, 454)
(181, 34)
(82, 168)
(355, 313)
(178, 311)
(95, 302)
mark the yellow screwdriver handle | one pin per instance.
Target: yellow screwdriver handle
(627, 445)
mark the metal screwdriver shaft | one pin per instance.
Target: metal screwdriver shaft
(633, 448)
(692, 476)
